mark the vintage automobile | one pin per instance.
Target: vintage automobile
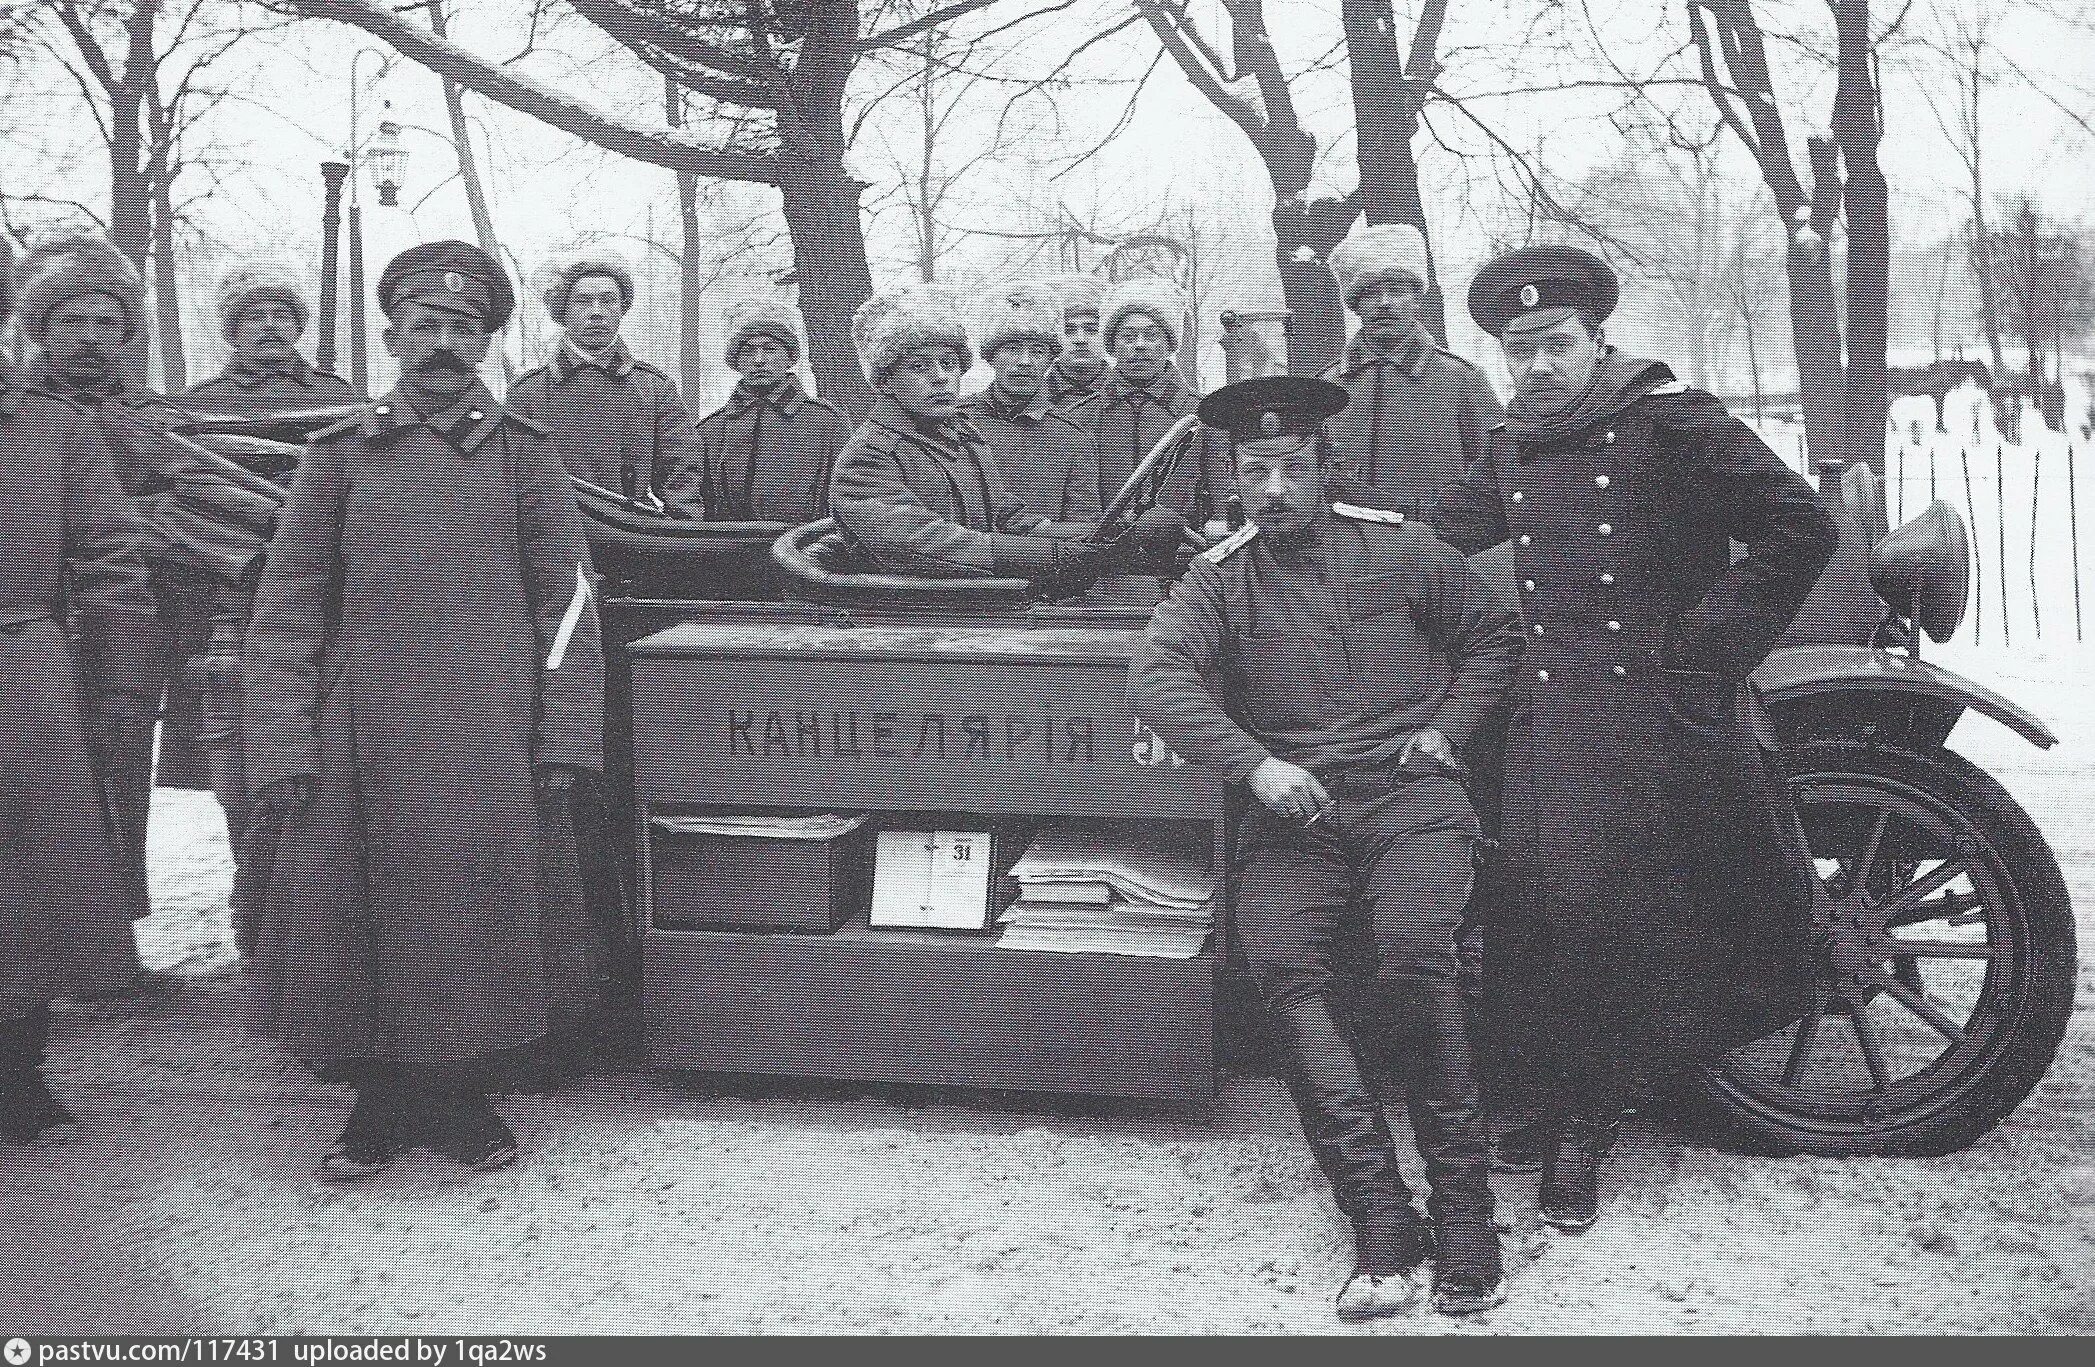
(1944, 927)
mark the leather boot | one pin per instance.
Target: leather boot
(372, 1137)
(1571, 1172)
(465, 1128)
(29, 1114)
(1343, 1121)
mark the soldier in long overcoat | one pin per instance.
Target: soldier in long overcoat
(1046, 459)
(1147, 392)
(766, 454)
(1655, 909)
(262, 312)
(67, 539)
(424, 679)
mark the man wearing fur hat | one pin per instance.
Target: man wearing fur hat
(424, 678)
(262, 311)
(81, 302)
(1079, 372)
(1045, 457)
(766, 454)
(916, 490)
(617, 421)
(1419, 413)
(1145, 319)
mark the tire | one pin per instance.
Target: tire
(1995, 964)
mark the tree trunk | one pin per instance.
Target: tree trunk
(469, 167)
(691, 281)
(829, 257)
(1386, 102)
(1868, 207)
(1815, 334)
(1303, 236)
(167, 294)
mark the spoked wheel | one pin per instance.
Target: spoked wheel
(1947, 969)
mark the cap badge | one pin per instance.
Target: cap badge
(454, 282)
(1269, 424)
(1529, 296)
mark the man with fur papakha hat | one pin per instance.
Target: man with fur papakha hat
(263, 311)
(1046, 458)
(1145, 319)
(1080, 371)
(1419, 412)
(767, 452)
(617, 421)
(916, 491)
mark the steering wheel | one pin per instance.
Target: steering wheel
(1145, 483)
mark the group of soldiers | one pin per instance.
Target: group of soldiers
(420, 701)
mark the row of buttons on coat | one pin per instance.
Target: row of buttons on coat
(1607, 580)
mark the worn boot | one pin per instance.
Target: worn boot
(29, 1114)
(1571, 1173)
(1343, 1121)
(1522, 1147)
(372, 1138)
(465, 1128)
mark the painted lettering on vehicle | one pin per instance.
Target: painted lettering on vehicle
(857, 734)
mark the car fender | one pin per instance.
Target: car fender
(1797, 672)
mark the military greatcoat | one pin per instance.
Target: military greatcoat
(67, 537)
(1653, 907)
(424, 634)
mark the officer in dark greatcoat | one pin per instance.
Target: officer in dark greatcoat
(67, 539)
(1335, 660)
(1654, 909)
(424, 679)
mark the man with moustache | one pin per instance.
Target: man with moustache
(617, 421)
(1045, 458)
(1419, 414)
(1653, 910)
(1145, 318)
(916, 490)
(1335, 659)
(424, 683)
(262, 311)
(1080, 370)
(766, 454)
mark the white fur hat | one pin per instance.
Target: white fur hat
(773, 318)
(1150, 295)
(1377, 253)
(248, 281)
(1081, 293)
(889, 326)
(1024, 310)
(68, 265)
(559, 275)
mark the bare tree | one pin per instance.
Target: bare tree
(2044, 289)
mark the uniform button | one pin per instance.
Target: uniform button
(1542, 676)
(1538, 628)
(384, 410)
(1528, 584)
(1607, 581)
(1609, 438)
(474, 414)
(1526, 540)
(1600, 481)
(1614, 626)
(1607, 529)
(1619, 672)
(1519, 497)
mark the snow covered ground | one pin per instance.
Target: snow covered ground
(658, 1204)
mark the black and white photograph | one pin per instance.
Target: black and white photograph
(674, 669)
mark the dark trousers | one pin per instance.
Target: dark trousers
(1396, 852)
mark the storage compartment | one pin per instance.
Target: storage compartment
(757, 882)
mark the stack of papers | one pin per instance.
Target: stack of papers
(819, 826)
(1087, 889)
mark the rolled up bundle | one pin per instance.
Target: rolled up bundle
(206, 517)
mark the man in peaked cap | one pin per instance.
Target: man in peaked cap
(1046, 459)
(617, 421)
(768, 451)
(1334, 659)
(1650, 911)
(424, 679)
(1419, 413)
(263, 311)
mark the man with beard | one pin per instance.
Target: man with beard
(68, 715)
(916, 490)
(262, 311)
(1419, 413)
(1144, 320)
(1079, 372)
(1652, 911)
(424, 683)
(80, 300)
(1334, 660)
(616, 420)
(766, 454)
(1045, 458)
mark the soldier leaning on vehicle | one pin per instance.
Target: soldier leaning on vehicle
(767, 453)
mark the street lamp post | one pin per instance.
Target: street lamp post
(332, 174)
(388, 162)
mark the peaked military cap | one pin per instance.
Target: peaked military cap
(1538, 287)
(454, 276)
(1272, 406)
